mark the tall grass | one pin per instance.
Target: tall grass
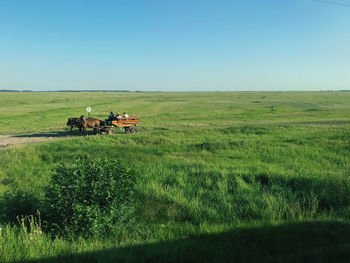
(238, 165)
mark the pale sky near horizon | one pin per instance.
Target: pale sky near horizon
(190, 45)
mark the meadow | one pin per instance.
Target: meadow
(221, 176)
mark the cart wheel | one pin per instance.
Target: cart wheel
(127, 130)
(133, 130)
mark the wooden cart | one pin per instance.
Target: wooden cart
(128, 125)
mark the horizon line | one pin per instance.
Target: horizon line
(168, 91)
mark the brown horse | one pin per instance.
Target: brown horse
(93, 123)
(88, 123)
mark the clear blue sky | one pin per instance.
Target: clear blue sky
(187, 45)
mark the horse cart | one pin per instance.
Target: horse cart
(128, 125)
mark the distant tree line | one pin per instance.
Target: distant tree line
(9, 90)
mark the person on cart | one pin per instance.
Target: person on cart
(126, 115)
(111, 116)
(118, 116)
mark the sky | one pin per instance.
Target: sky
(182, 45)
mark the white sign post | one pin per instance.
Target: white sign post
(88, 109)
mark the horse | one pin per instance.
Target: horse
(88, 123)
(73, 122)
(93, 123)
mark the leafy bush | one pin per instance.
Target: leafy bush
(89, 198)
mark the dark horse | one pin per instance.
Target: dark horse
(88, 123)
(73, 122)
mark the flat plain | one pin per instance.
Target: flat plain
(221, 176)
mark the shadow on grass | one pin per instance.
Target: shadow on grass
(48, 134)
(298, 242)
(55, 134)
(16, 205)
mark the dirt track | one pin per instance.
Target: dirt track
(8, 140)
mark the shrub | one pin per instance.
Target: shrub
(89, 198)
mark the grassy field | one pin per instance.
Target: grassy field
(256, 177)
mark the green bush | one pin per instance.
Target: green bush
(89, 198)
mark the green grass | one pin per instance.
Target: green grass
(219, 175)
(28, 113)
